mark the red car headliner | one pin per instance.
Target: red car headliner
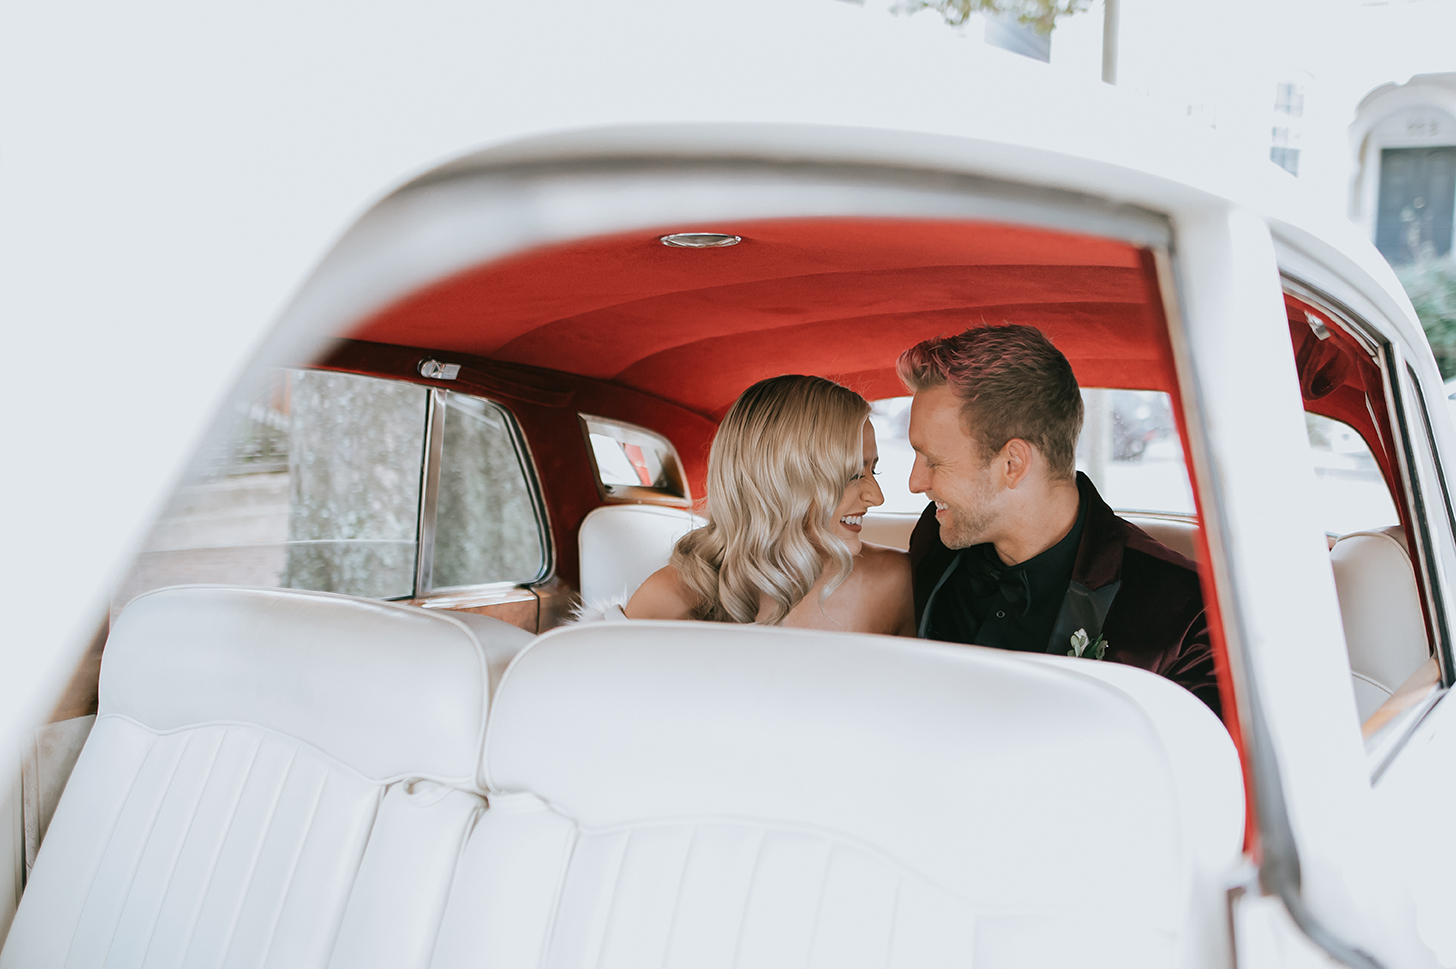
(841, 297)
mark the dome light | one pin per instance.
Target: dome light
(699, 240)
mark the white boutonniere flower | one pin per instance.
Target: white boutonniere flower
(1083, 647)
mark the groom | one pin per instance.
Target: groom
(1018, 550)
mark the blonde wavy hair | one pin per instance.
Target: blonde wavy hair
(776, 473)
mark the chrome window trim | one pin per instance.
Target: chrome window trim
(1428, 570)
(1446, 660)
(430, 495)
(429, 491)
(1391, 361)
(635, 494)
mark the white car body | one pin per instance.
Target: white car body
(1353, 860)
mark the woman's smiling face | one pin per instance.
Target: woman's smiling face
(860, 495)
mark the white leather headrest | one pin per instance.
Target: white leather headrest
(392, 691)
(621, 545)
(975, 768)
(1385, 628)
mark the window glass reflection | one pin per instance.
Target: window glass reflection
(486, 528)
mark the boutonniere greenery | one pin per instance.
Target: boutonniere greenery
(1085, 648)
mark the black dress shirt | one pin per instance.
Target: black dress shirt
(988, 603)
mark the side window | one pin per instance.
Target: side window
(1350, 492)
(634, 464)
(353, 484)
(324, 481)
(1131, 450)
(486, 526)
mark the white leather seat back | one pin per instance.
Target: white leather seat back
(1180, 536)
(1385, 630)
(621, 545)
(270, 771)
(893, 529)
(889, 528)
(682, 794)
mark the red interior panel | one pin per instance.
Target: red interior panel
(842, 296)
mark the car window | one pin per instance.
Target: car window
(1350, 493)
(634, 464)
(319, 481)
(314, 484)
(1129, 448)
(486, 526)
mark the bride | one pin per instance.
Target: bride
(790, 477)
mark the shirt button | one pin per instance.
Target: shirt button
(1000, 614)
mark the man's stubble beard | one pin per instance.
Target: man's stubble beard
(965, 529)
(973, 525)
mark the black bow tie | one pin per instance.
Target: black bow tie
(985, 578)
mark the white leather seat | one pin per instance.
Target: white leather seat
(621, 545)
(893, 529)
(1180, 536)
(1385, 629)
(889, 528)
(275, 778)
(684, 794)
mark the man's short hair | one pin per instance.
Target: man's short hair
(1011, 383)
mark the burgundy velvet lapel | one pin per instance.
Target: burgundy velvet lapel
(1104, 536)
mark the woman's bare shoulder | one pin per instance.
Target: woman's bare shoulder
(663, 596)
(884, 562)
(890, 588)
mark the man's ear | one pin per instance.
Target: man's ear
(1016, 460)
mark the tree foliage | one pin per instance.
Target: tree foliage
(1431, 285)
(1041, 15)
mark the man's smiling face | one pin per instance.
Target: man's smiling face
(951, 470)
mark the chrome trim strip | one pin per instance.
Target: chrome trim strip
(1353, 324)
(1392, 364)
(1426, 707)
(429, 492)
(538, 502)
(1443, 644)
(1279, 867)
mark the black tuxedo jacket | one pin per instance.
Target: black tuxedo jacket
(1126, 586)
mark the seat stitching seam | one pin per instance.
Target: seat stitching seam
(217, 854)
(568, 856)
(247, 884)
(293, 868)
(141, 854)
(819, 905)
(682, 877)
(182, 845)
(126, 799)
(747, 899)
(454, 871)
(613, 899)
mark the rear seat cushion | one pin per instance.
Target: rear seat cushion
(255, 750)
(1385, 630)
(799, 797)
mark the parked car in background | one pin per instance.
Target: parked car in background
(494, 398)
